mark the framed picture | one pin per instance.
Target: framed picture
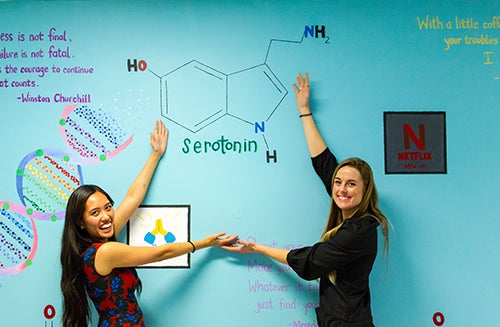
(415, 142)
(155, 225)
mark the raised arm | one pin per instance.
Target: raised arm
(138, 188)
(314, 140)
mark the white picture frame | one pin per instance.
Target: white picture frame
(154, 225)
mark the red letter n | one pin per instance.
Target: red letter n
(410, 134)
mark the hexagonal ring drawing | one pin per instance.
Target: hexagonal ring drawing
(207, 100)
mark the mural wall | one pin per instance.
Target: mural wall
(82, 82)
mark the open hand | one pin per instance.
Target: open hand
(219, 240)
(302, 93)
(242, 247)
(159, 137)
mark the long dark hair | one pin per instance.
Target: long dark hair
(75, 240)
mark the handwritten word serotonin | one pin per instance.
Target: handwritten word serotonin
(222, 146)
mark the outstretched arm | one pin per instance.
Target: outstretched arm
(138, 188)
(252, 247)
(314, 140)
(115, 254)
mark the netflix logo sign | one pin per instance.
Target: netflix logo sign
(415, 142)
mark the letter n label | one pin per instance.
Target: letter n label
(409, 134)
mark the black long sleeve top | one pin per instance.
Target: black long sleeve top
(350, 252)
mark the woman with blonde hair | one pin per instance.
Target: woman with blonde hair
(344, 256)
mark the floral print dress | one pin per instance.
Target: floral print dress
(113, 295)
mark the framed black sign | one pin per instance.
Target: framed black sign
(415, 142)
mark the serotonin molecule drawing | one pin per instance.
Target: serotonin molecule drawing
(218, 94)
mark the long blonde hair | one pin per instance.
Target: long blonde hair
(368, 207)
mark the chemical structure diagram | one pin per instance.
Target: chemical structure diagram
(218, 94)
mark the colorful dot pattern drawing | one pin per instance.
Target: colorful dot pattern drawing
(18, 238)
(45, 178)
(92, 134)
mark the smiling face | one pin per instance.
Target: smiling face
(98, 217)
(348, 190)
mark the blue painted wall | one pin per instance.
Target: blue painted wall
(211, 70)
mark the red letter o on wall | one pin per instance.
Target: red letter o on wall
(49, 311)
(438, 319)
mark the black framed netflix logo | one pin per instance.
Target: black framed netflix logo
(415, 142)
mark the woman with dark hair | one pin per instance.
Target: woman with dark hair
(344, 256)
(92, 260)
